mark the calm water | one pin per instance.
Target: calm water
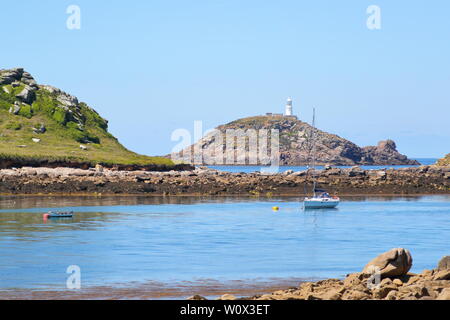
(130, 240)
(423, 161)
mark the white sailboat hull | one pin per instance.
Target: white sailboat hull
(320, 203)
(322, 199)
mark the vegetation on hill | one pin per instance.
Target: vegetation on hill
(444, 161)
(42, 123)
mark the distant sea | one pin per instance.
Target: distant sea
(246, 169)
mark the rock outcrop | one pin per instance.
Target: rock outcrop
(444, 161)
(428, 285)
(386, 153)
(294, 145)
(444, 263)
(16, 76)
(395, 262)
(61, 106)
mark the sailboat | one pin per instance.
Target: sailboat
(321, 198)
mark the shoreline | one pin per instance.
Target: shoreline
(386, 277)
(218, 196)
(210, 182)
(178, 290)
(430, 284)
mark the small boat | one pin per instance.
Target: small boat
(52, 214)
(320, 199)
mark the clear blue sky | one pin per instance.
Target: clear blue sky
(151, 67)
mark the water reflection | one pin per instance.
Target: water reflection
(209, 288)
(25, 202)
(21, 225)
(22, 215)
(128, 239)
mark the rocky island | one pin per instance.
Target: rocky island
(295, 144)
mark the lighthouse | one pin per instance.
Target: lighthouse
(288, 111)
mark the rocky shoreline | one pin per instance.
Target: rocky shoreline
(386, 277)
(205, 181)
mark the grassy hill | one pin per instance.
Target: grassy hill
(43, 123)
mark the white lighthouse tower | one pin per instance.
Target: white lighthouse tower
(288, 111)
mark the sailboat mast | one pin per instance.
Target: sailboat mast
(314, 151)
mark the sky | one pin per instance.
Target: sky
(152, 67)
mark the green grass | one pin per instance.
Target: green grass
(63, 137)
(258, 121)
(13, 125)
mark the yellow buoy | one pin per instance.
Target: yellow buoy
(275, 208)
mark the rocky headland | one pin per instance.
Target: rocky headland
(41, 125)
(206, 181)
(386, 277)
(294, 144)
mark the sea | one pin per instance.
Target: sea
(172, 247)
(250, 168)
